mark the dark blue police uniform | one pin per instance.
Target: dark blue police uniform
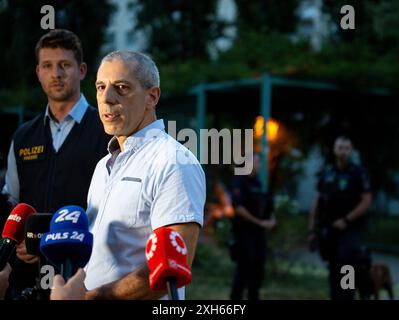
(340, 192)
(248, 249)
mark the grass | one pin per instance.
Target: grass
(382, 233)
(287, 276)
(284, 279)
(213, 271)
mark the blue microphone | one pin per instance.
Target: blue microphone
(68, 244)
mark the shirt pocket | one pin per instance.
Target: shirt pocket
(124, 201)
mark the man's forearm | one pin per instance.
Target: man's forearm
(134, 286)
(361, 208)
(313, 216)
(244, 213)
(12, 186)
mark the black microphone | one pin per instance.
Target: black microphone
(36, 225)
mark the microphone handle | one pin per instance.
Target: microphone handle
(67, 269)
(171, 284)
(6, 250)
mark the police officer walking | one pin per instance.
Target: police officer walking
(336, 219)
(253, 216)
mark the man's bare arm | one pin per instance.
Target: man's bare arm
(135, 285)
(313, 216)
(267, 224)
(361, 208)
(244, 213)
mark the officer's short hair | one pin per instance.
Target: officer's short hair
(61, 38)
(344, 138)
(144, 68)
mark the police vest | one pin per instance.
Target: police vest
(340, 192)
(50, 180)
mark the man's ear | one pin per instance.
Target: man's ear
(37, 72)
(153, 95)
(82, 70)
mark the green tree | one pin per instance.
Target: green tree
(385, 25)
(363, 27)
(179, 29)
(376, 23)
(20, 25)
(261, 15)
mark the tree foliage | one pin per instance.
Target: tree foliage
(179, 30)
(263, 15)
(20, 25)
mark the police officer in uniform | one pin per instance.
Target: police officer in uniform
(53, 156)
(253, 217)
(337, 217)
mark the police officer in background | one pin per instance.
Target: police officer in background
(337, 216)
(53, 156)
(253, 217)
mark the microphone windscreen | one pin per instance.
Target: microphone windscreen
(68, 238)
(166, 255)
(68, 218)
(15, 224)
(36, 225)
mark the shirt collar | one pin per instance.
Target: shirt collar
(348, 166)
(76, 113)
(137, 139)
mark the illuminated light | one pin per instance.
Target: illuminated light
(272, 128)
(258, 126)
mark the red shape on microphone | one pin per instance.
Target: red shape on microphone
(15, 224)
(166, 255)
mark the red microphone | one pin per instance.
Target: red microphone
(166, 255)
(13, 232)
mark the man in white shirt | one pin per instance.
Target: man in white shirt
(148, 180)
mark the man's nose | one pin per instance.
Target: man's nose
(57, 72)
(109, 95)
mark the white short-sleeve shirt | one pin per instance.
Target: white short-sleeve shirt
(154, 182)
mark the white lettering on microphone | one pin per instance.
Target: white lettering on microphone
(65, 215)
(57, 236)
(14, 217)
(73, 235)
